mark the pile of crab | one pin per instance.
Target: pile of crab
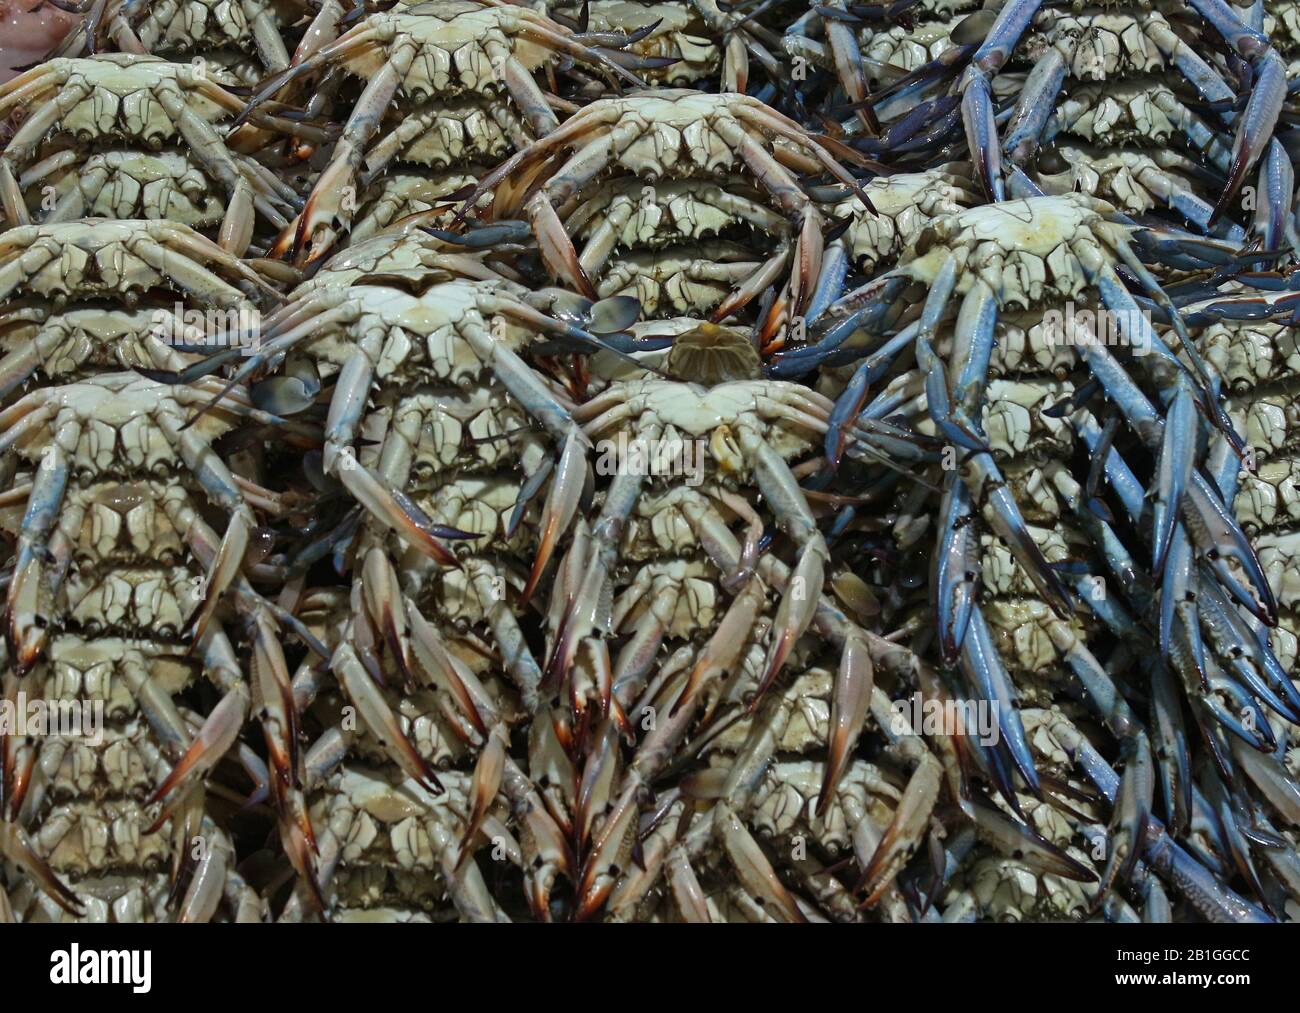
(677, 461)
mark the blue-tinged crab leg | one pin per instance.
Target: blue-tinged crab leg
(1021, 186)
(977, 101)
(1172, 751)
(973, 347)
(954, 423)
(1002, 513)
(1034, 108)
(1132, 810)
(1266, 96)
(1209, 521)
(1232, 816)
(1273, 219)
(1174, 468)
(1248, 654)
(956, 568)
(1271, 778)
(1215, 901)
(830, 285)
(872, 369)
(279, 344)
(983, 668)
(1234, 633)
(1247, 720)
(1142, 336)
(801, 361)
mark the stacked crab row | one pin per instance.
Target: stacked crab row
(578, 419)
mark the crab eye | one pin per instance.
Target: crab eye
(1052, 162)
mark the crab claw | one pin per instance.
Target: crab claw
(753, 869)
(903, 835)
(486, 784)
(15, 846)
(561, 505)
(1128, 822)
(214, 739)
(956, 568)
(1267, 95)
(225, 565)
(204, 892)
(983, 668)
(601, 870)
(1013, 838)
(432, 657)
(951, 423)
(27, 632)
(982, 132)
(844, 415)
(546, 853)
(381, 594)
(849, 706)
(556, 247)
(300, 844)
(1172, 755)
(1177, 451)
(726, 644)
(808, 252)
(380, 719)
(393, 509)
(795, 613)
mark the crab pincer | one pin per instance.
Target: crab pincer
(956, 568)
(562, 501)
(1267, 94)
(15, 846)
(1174, 472)
(901, 838)
(849, 706)
(1128, 826)
(217, 735)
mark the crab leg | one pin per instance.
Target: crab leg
(982, 665)
(15, 846)
(956, 570)
(1266, 97)
(221, 487)
(26, 138)
(1208, 520)
(1174, 470)
(213, 741)
(1033, 109)
(849, 706)
(1171, 749)
(795, 612)
(27, 627)
(1013, 838)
